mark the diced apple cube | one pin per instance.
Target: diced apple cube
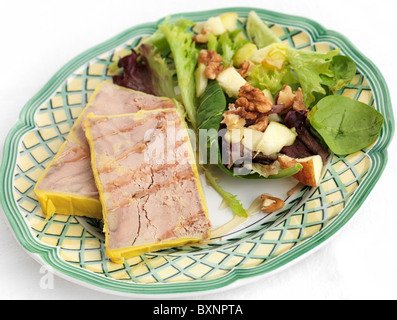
(215, 26)
(313, 164)
(229, 20)
(276, 137)
(252, 138)
(198, 27)
(231, 81)
(260, 55)
(311, 171)
(272, 56)
(268, 94)
(275, 117)
(245, 53)
(201, 79)
(234, 135)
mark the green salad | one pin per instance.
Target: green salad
(268, 110)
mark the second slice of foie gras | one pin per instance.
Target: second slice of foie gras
(67, 186)
(148, 182)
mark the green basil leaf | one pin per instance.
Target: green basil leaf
(212, 105)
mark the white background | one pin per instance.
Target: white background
(39, 37)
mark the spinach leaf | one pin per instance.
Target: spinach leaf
(346, 125)
(212, 105)
(344, 70)
(209, 116)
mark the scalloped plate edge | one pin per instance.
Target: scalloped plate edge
(49, 255)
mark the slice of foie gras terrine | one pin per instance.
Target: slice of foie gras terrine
(67, 186)
(148, 182)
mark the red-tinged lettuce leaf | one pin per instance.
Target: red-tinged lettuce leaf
(298, 120)
(162, 71)
(297, 150)
(136, 73)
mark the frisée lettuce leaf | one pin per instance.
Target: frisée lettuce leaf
(229, 198)
(273, 80)
(309, 67)
(185, 55)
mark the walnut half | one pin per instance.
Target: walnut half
(245, 68)
(201, 38)
(260, 124)
(233, 119)
(250, 110)
(213, 62)
(253, 99)
(271, 204)
(291, 99)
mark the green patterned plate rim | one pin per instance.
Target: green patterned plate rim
(72, 247)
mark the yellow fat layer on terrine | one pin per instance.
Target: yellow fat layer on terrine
(65, 203)
(68, 204)
(119, 255)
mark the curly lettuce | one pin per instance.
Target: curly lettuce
(310, 68)
(185, 56)
(273, 80)
(318, 74)
(229, 198)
